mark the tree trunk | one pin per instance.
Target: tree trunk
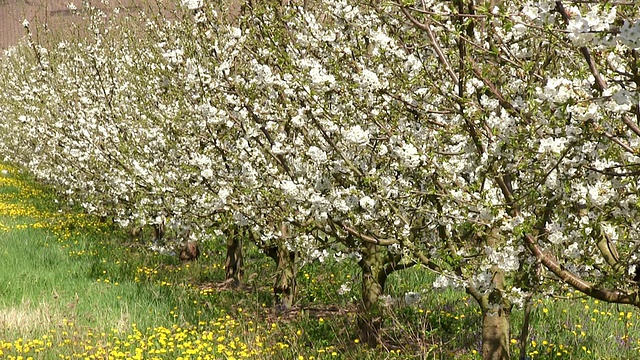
(190, 251)
(373, 281)
(234, 262)
(495, 333)
(284, 288)
(135, 234)
(496, 310)
(158, 233)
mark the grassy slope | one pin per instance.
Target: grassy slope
(48, 271)
(72, 288)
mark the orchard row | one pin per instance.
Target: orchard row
(488, 141)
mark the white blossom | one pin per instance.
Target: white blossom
(192, 4)
(552, 145)
(573, 251)
(516, 296)
(344, 288)
(316, 154)
(367, 203)
(356, 135)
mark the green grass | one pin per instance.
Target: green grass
(72, 287)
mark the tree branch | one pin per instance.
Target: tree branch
(631, 125)
(575, 281)
(608, 295)
(600, 85)
(626, 147)
(434, 41)
(372, 239)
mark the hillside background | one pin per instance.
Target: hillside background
(56, 14)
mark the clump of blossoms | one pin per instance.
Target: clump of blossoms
(97, 113)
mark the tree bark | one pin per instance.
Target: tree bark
(284, 288)
(190, 251)
(495, 333)
(374, 278)
(496, 310)
(234, 262)
(285, 285)
(135, 234)
(158, 233)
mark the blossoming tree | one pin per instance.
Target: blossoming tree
(541, 95)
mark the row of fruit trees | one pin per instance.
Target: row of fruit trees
(485, 140)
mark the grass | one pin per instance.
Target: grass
(72, 287)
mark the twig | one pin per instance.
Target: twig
(600, 85)
(626, 147)
(434, 41)
(631, 125)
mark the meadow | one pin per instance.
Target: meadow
(73, 287)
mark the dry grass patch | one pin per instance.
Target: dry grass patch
(28, 318)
